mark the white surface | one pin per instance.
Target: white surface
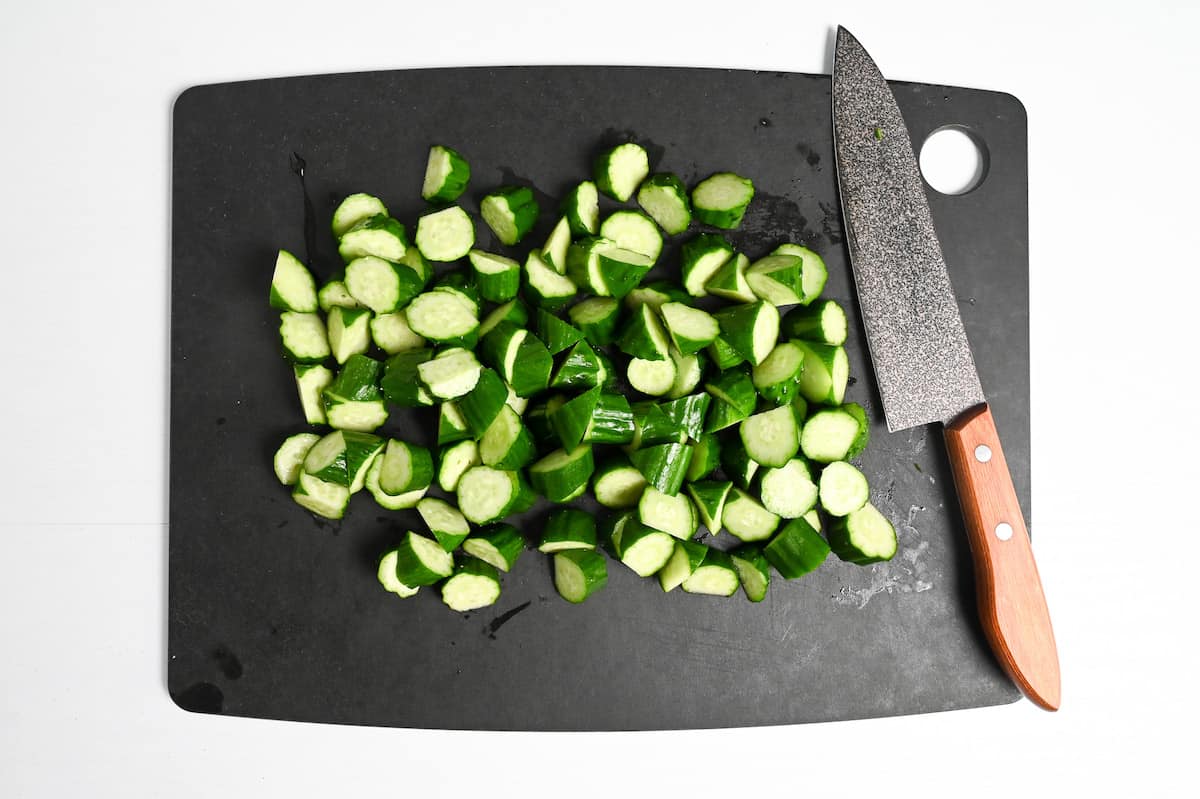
(85, 98)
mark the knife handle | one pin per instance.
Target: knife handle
(1012, 606)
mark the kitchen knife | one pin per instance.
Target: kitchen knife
(923, 362)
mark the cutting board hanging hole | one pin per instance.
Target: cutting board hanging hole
(954, 160)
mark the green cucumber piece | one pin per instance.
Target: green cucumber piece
(334, 295)
(633, 231)
(355, 209)
(571, 419)
(672, 514)
(292, 285)
(568, 528)
(385, 573)
(796, 550)
(729, 282)
(652, 425)
(618, 483)
(652, 377)
(864, 430)
(777, 378)
(823, 322)
(746, 519)
(721, 200)
(734, 399)
(737, 463)
(723, 355)
(643, 336)
(788, 491)
(685, 559)
(498, 277)
(378, 235)
(321, 496)
(349, 331)
(655, 294)
(421, 561)
(506, 444)
(497, 544)
(451, 373)
(400, 383)
(581, 368)
(513, 312)
(392, 333)
(620, 170)
(665, 199)
(772, 438)
(444, 317)
(843, 489)
(311, 382)
(709, 497)
(691, 329)
(826, 372)
(454, 461)
(814, 271)
(641, 548)
(777, 279)
(483, 403)
(447, 174)
(701, 257)
(405, 467)
(289, 458)
(303, 336)
(663, 465)
(487, 495)
(753, 570)
(446, 522)
(554, 251)
(863, 536)
(829, 435)
(475, 584)
(382, 286)
(579, 573)
(715, 576)
(386, 500)
(562, 473)
(706, 457)
(689, 370)
(611, 422)
(545, 286)
(687, 413)
(751, 329)
(510, 211)
(556, 334)
(582, 209)
(596, 318)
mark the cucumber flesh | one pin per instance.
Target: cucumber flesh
(579, 573)
(843, 489)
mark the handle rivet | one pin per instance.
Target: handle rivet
(983, 453)
(1004, 531)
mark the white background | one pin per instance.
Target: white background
(85, 100)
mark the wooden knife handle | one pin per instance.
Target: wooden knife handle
(1012, 606)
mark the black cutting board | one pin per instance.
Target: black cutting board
(274, 613)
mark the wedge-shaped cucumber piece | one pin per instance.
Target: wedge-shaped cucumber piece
(665, 199)
(475, 584)
(579, 573)
(796, 550)
(292, 285)
(722, 199)
(510, 211)
(447, 174)
(621, 169)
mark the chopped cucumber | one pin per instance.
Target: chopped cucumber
(621, 169)
(618, 484)
(382, 286)
(715, 576)
(729, 282)
(631, 230)
(826, 372)
(510, 212)
(691, 329)
(568, 528)
(777, 279)
(582, 209)
(752, 329)
(497, 544)
(378, 235)
(392, 333)
(814, 272)
(355, 209)
(777, 378)
(788, 491)
(498, 277)
(753, 570)
(710, 497)
(443, 316)
(303, 336)
(487, 495)
(385, 572)
(822, 322)
(843, 489)
(829, 435)
(475, 584)
(642, 548)
(579, 573)
(289, 458)
(454, 461)
(672, 514)
(405, 467)
(863, 536)
(597, 319)
(446, 522)
(772, 438)
(292, 285)
(446, 175)
(559, 475)
(721, 200)
(311, 382)
(796, 550)
(665, 199)
(685, 559)
(702, 257)
(746, 519)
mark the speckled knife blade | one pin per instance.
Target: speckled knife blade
(922, 359)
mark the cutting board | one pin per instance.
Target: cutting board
(275, 613)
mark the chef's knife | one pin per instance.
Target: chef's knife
(923, 362)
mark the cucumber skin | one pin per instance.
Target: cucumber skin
(796, 550)
(591, 565)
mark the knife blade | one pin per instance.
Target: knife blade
(923, 363)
